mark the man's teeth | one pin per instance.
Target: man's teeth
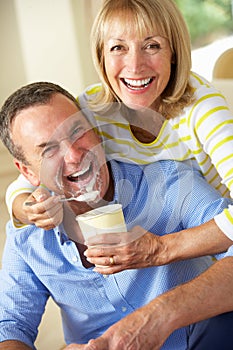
(137, 83)
(79, 173)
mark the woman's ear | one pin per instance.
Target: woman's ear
(27, 172)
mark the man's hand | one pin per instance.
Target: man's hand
(141, 330)
(137, 331)
(43, 210)
(120, 251)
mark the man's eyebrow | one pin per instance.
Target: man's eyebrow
(44, 144)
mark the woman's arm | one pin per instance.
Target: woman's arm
(153, 250)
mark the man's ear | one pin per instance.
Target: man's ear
(27, 172)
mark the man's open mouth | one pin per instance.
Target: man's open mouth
(137, 84)
(82, 175)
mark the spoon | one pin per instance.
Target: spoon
(86, 197)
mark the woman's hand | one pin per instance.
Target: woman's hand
(116, 252)
(42, 209)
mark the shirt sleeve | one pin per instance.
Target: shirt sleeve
(22, 296)
(17, 187)
(211, 124)
(200, 201)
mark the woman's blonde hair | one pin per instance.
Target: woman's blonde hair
(165, 18)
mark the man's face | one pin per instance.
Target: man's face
(64, 152)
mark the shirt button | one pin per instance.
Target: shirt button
(124, 309)
(75, 259)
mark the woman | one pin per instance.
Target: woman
(149, 106)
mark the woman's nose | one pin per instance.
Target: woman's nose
(135, 61)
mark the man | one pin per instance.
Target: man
(53, 143)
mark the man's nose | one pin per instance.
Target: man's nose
(71, 152)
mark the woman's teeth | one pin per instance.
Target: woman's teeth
(137, 84)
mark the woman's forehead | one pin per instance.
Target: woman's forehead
(130, 23)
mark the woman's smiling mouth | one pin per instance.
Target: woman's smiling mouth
(138, 84)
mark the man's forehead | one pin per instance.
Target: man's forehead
(64, 128)
(60, 115)
(47, 122)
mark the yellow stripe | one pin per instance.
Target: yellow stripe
(21, 190)
(204, 160)
(229, 173)
(214, 178)
(198, 78)
(226, 192)
(94, 90)
(230, 183)
(18, 226)
(208, 171)
(121, 141)
(206, 97)
(228, 215)
(184, 138)
(185, 157)
(181, 121)
(219, 144)
(206, 115)
(218, 127)
(126, 142)
(131, 144)
(197, 151)
(224, 160)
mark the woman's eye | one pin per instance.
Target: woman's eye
(153, 47)
(116, 48)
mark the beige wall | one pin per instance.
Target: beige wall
(46, 40)
(43, 40)
(11, 59)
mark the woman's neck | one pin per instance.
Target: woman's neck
(145, 125)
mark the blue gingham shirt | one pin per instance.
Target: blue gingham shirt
(162, 197)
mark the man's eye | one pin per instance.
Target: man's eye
(49, 151)
(76, 133)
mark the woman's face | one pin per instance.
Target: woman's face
(138, 68)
